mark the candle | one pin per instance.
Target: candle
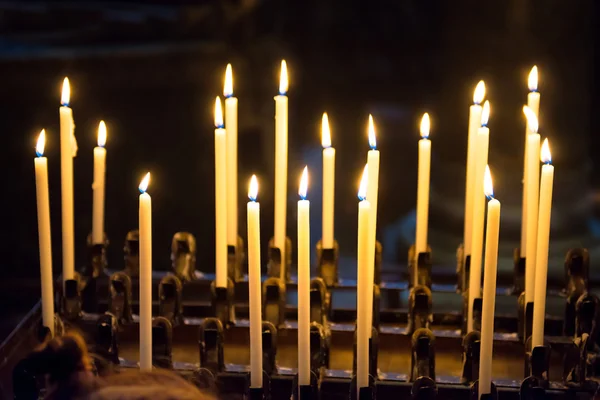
(66, 176)
(254, 286)
(489, 287)
(363, 290)
(43, 213)
(372, 194)
(328, 184)
(231, 123)
(281, 156)
(303, 282)
(220, 197)
(543, 240)
(532, 202)
(474, 124)
(478, 203)
(98, 186)
(145, 229)
(423, 189)
(533, 102)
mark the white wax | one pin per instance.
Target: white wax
(145, 229)
(66, 174)
(474, 124)
(254, 288)
(43, 212)
(231, 124)
(220, 207)
(532, 193)
(98, 195)
(478, 204)
(303, 292)
(328, 197)
(372, 195)
(541, 267)
(281, 161)
(422, 197)
(489, 296)
(363, 324)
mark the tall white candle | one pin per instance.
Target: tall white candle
(474, 124)
(478, 202)
(303, 282)
(145, 229)
(532, 202)
(543, 241)
(328, 184)
(254, 286)
(231, 124)
(98, 186)
(43, 213)
(372, 196)
(220, 197)
(423, 189)
(363, 290)
(489, 287)
(281, 161)
(66, 177)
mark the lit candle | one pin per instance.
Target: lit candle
(474, 124)
(423, 189)
(254, 280)
(543, 241)
(372, 194)
(66, 176)
(478, 204)
(231, 124)
(281, 158)
(489, 286)
(43, 212)
(364, 291)
(220, 197)
(328, 184)
(145, 229)
(303, 282)
(98, 186)
(532, 202)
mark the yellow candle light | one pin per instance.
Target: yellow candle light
(281, 161)
(303, 282)
(67, 148)
(220, 197)
(423, 189)
(145, 232)
(328, 184)
(231, 124)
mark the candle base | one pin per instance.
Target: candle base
(119, 300)
(577, 270)
(424, 388)
(222, 300)
(373, 352)
(306, 392)
(183, 256)
(259, 393)
(320, 345)
(471, 350)
(235, 260)
(211, 336)
(274, 301)
(518, 272)
(278, 268)
(95, 269)
(577, 367)
(319, 301)
(420, 310)
(162, 343)
(327, 263)
(362, 393)
(422, 355)
(537, 362)
(71, 299)
(419, 265)
(269, 348)
(132, 253)
(532, 389)
(463, 263)
(492, 395)
(107, 345)
(170, 304)
(44, 333)
(525, 323)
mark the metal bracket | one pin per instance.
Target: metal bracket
(210, 343)
(420, 313)
(119, 300)
(274, 301)
(278, 268)
(327, 263)
(131, 249)
(170, 304)
(423, 354)
(183, 256)
(471, 347)
(162, 343)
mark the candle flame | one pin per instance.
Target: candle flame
(545, 155)
(488, 186)
(41, 143)
(364, 181)
(218, 113)
(101, 134)
(303, 184)
(479, 93)
(228, 87)
(66, 93)
(253, 188)
(485, 113)
(325, 132)
(425, 126)
(372, 140)
(532, 120)
(144, 183)
(532, 81)
(283, 79)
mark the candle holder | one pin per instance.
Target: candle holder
(131, 250)
(420, 313)
(492, 395)
(262, 393)
(363, 393)
(269, 346)
(587, 312)
(170, 304)
(274, 300)
(525, 318)
(44, 333)
(373, 352)
(304, 392)
(424, 388)
(319, 301)
(532, 389)
(210, 342)
(471, 351)
(106, 339)
(419, 264)
(423, 355)
(518, 272)
(222, 302)
(235, 261)
(162, 343)
(327, 263)
(320, 342)
(537, 362)
(278, 268)
(576, 361)
(183, 256)
(94, 270)
(119, 300)
(477, 310)
(577, 269)
(71, 299)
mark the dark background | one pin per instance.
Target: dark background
(151, 70)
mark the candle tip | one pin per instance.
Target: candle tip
(101, 134)
(144, 183)
(532, 120)
(545, 155)
(532, 80)
(283, 79)
(66, 93)
(253, 189)
(218, 113)
(325, 131)
(362, 188)
(372, 139)
(485, 113)
(479, 93)
(228, 87)
(488, 186)
(425, 126)
(41, 143)
(303, 184)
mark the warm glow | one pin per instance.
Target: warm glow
(545, 155)
(144, 183)
(228, 87)
(283, 79)
(488, 186)
(303, 183)
(485, 113)
(101, 134)
(362, 188)
(532, 81)
(66, 93)
(325, 132)
(372, 141)
(479, 92)
(218, 113)
(425, 126)
(253, 189)
(41, 143)
(532, 120)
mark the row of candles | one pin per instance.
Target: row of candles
(537, 199)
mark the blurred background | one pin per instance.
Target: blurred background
(151, 70)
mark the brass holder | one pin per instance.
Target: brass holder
(274, 299)
(131, 250)
(327, 263)
(120, 297)
(421, 266)
(235, 261)
(94, 270)
(162, 343)
(183, 256)
(276, 267)
(170, 303)
(222, 300)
